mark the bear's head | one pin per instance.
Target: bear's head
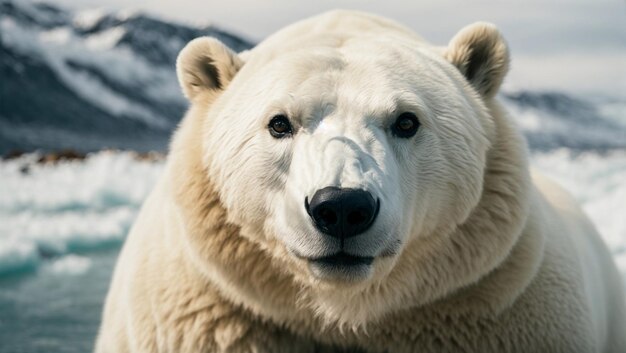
(348, 166)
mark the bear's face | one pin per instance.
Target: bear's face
(334, 158)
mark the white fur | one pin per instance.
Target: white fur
(472, 253)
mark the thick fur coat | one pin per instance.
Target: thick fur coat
(472, 252)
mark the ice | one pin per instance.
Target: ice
(48, 211)
(69, 265)
(17, 256)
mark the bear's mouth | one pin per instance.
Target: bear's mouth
(341, 267)
(343, 259)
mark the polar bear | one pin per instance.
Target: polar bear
(346, 186)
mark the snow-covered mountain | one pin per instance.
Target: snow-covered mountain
(554, 120)
(91, 80)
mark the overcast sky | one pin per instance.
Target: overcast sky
(572, 45)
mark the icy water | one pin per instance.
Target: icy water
(55, 310)
(60, 232)
(61, 227)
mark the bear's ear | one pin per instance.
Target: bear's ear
(482, 56)
(206, 64)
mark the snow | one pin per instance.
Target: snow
(550, 120)
(105, 40)
(57, 36)
(37, 14)
(87, 19)
(54, 210)
(61, 45)
(126, 14)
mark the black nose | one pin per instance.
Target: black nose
(342, 213)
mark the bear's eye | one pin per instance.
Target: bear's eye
(406, 125)
(279, 126)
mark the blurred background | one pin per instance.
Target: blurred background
(89, 99)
